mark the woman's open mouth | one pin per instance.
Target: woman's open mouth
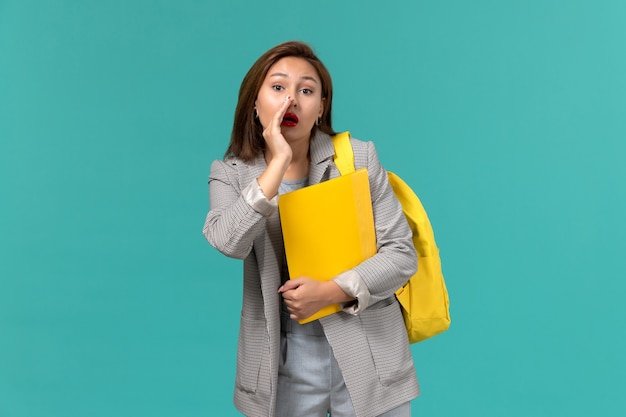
(289, 120)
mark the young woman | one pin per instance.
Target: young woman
(356, 362)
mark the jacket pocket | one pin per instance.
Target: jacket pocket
(388, 342)
(249, 353)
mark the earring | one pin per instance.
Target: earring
(319, 121)
(256, 113)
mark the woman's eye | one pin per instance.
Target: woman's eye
(307, 91)
(277, 87)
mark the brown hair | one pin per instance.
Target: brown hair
(246, 139)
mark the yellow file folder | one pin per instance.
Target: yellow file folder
(328, 228)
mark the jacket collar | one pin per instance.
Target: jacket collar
(322, 152)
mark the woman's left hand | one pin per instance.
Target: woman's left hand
(305, 296)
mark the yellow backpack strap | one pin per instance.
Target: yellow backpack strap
(344, 156)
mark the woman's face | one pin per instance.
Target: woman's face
(298, 79)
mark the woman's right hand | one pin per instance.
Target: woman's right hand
(278, 153)
(277, 146)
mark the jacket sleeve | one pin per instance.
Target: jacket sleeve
(236, 216)
(395, 261)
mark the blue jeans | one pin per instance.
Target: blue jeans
(310, 383)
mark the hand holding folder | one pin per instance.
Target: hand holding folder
(328, 228)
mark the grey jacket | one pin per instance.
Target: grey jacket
(371, 347)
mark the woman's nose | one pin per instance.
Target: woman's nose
(294, 98)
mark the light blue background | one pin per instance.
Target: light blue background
(507, 117)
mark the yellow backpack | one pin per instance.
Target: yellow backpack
(424, 298)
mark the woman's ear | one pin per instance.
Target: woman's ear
(323, 103)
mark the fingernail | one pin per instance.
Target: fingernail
(287, 98)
